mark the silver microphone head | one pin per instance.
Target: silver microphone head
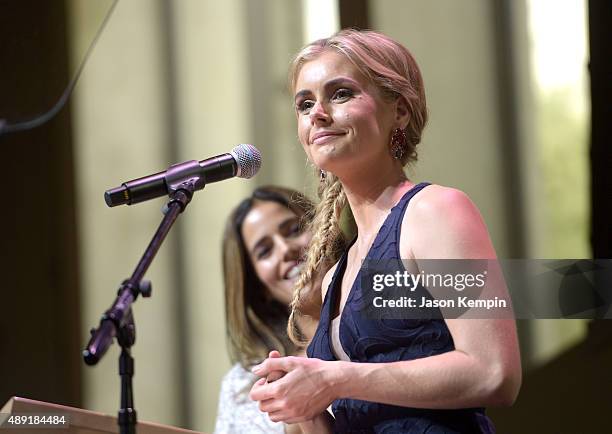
(248, 159)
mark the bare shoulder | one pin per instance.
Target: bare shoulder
(327, 280)
(435, 200)
(443, 222)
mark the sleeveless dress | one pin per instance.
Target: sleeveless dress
(388, 340)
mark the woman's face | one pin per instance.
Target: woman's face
(342, 117)
(275, 245)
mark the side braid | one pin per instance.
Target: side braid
(326, 231)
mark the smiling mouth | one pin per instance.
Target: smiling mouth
(324, 138)
(294, 271)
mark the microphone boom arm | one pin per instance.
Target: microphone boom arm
(118, 320)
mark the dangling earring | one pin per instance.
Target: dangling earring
(398, 143)
(322, 175)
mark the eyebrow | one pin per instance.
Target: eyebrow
(331, 83)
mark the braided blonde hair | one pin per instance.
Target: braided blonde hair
(391, 67)
(325, 246)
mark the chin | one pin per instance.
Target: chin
(331, 160)
(286, 292)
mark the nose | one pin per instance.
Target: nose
(319, 114)
(287, 250)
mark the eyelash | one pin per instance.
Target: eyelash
(301, 106)
(294, 231)
(348, 93)
(263, 253)
(341, 94)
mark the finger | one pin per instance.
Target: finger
(274, 364)
(256, 393)
(283, 416)
(270, 405)
(287, 419)
(275, 375)
(277, 416)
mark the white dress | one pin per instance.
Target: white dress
(237, 413)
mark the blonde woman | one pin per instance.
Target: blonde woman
(360, 107)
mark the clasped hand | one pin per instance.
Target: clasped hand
(292, 389)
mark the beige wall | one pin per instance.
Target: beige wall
(211, 67)
(119, 130)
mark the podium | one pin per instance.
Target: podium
(78, 421)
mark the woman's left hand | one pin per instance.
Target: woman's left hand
(304, 392)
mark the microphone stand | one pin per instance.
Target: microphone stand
(118, 321)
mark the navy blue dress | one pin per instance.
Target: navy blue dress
(388, 340)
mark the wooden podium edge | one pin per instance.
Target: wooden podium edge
(82, 419)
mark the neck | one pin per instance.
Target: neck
(372, 195)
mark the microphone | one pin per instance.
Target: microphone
(243, 161)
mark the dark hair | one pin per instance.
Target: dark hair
(256, 323)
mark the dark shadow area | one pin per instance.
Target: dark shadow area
(569, 394)
(39, 326)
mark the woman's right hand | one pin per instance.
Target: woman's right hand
(318, 425)
(307, 389)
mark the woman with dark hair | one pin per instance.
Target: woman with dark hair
(360, 107)
(263, 247)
